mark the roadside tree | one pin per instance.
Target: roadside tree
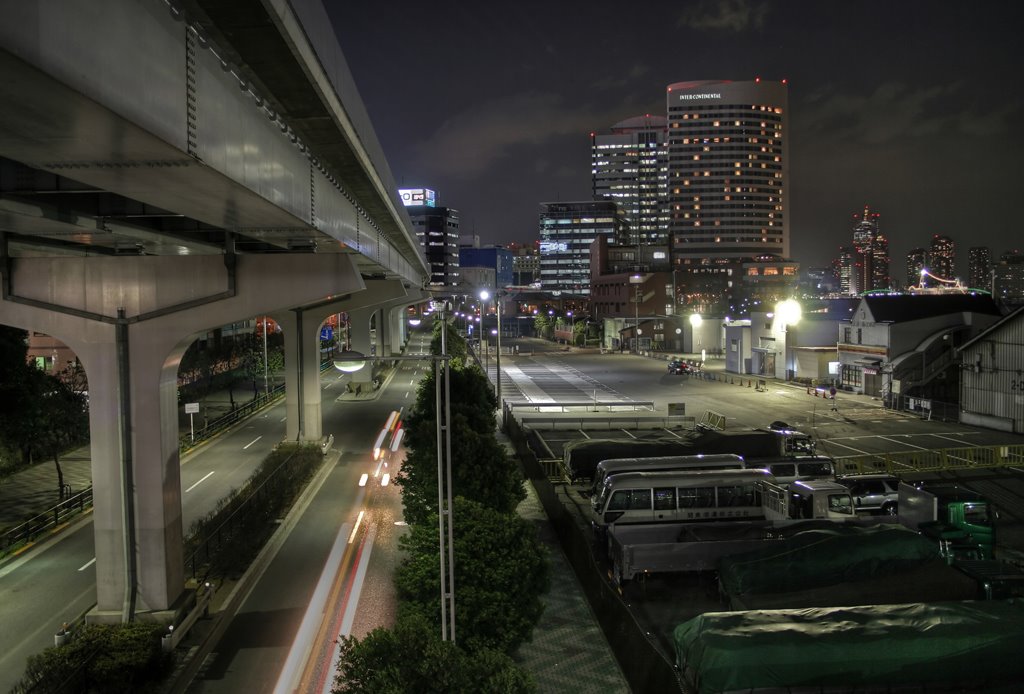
(501, 571)
(482, 470)
(411, 657)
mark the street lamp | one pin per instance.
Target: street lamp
(636, 281)
(572, 327)
(788, 313)
(485, 295)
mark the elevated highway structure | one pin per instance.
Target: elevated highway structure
(168, 167)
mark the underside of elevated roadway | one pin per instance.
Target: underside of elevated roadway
(167, 169)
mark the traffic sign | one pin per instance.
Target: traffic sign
(191, 408)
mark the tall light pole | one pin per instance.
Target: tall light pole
(572, 328)
(636, 280)
(497, 357)
(266, 358)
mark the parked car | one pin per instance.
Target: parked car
(678, 366)
(873, 493)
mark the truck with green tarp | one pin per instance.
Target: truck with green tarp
(942, 647)
(844, 565)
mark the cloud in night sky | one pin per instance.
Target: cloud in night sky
(911, 106)
(724, 15)
(475, 140)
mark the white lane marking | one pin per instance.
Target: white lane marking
(87, 564)
(406, 394)
(199, 482)
(963, 444)
(251, 442)
(832, 442)
(886, 438)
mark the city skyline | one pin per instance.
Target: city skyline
(900, 107)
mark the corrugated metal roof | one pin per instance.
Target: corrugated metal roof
(898, 308)
(1016, 315)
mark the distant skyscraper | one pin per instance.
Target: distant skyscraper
(566, 231)
(848, 265)
(628, 165)
(917, 260)
(979, 267)
(727, 169)
(942, 257)
(873, 248)
(437, 230)
(1009, 280)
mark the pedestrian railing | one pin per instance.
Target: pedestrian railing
(35, 526)
(188, 440)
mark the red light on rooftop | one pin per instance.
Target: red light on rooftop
(757, 80)
(785, 81)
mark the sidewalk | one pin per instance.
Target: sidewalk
(32, 491)
(568, 652)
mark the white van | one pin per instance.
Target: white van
(789, 470)
(680, 496)
(616, 466)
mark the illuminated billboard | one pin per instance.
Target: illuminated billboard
(417, 196)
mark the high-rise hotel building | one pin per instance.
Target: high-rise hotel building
(727, 170)
(629, 166)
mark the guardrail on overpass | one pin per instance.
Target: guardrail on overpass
(939, 460)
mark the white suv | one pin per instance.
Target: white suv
(873, 493)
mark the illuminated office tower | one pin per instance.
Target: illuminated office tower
(979, 267)
(628, 166)
(917, 260)
(727, 169)
(437, 230)
(873, 248)
(566, 231)
(942, 257)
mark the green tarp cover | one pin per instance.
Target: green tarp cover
(946, 645)
(825, 557)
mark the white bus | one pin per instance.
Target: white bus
(674, 497)
(617, 466)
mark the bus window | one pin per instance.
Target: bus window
(630, 500)
(697, 497)
(665, 499)
(818, 468)
(786, 470)
(739, 495)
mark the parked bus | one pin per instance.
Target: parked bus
(617, 466)
(789, 470)
(682, 496)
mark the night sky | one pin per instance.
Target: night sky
(913, 107)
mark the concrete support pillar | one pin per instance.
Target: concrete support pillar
(365, 330)
(394, 328)
(301, 332)
(130, 320)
